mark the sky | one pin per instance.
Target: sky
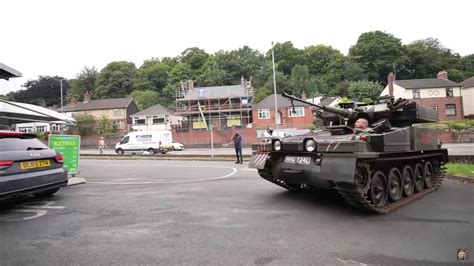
(56, 37)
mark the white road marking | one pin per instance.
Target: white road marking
(46, 205)
(234, 170)
(351, 262)
(37, 213)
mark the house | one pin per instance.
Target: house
(156, 117)
(221, 106)
(468, 97)
(326, 101)
(118, 110)
(263, 113)
(439, 93)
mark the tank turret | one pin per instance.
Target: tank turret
(400, 112)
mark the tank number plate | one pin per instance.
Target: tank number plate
(297, 160)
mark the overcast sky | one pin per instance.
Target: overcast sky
(61, 37)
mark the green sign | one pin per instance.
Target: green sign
(68, 147)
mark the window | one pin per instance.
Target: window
(138, 121)
(416, 94)
(125, 140)
(435, 107)
(298, 112)
(118, 124)
(158, 120)
(449, 92)
(263, 114)
(40, 128)
(117, 112)
(55, 128)
(450, 109)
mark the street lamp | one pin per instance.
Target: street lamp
(275, 90)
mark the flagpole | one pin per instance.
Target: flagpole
(275, 90)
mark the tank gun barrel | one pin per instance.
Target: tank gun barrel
(348, 113)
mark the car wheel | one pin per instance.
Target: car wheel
(46, 193)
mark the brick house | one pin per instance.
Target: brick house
(468, 97)
(439, 93)
(263, 113)
(118, 110)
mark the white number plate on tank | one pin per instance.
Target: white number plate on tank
(297, 160)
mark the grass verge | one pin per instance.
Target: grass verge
(460, 169)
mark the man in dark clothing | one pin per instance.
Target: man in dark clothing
(237, 138)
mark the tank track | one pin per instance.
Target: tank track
(356, 197)
(359, 198)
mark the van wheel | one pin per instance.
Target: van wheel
(163, 152)
(119, 151)
(151, 151)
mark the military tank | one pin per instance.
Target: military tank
(379, 169)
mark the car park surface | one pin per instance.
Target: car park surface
(214, 213)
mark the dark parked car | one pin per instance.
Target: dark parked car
(27, 166)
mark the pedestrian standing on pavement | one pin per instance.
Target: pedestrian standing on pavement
(101, 144)
(237, 138)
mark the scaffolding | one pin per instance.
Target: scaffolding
(221, 106)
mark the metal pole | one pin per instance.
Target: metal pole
(275, 90)
(62, 126)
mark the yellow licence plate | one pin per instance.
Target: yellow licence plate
(35, 164)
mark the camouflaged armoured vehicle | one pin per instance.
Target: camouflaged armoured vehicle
(379, 169)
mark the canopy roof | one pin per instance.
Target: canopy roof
(14, 113)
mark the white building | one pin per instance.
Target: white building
(38, 127)
(156, 117)
(468, 97)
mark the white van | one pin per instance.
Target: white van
(150, 141)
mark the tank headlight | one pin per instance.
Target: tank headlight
(310, 145)
(277, 145)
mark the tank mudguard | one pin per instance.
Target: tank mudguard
(338, 169)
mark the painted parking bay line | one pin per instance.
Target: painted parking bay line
(234, 170)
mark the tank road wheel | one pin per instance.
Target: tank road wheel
(378, 189)
(395, 184)
(419, 177)
(408, 180)
(428, 175)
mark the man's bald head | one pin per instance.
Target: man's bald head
(361, 124)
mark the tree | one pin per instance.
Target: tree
(145, 99)
(364, 90)
(85, 125)
(325, 62)
(194, 57)
(45, 90)
(212, 74)
(299, 79)
(286, 57)
(353, 71)
(84, 81)
(379, 53)
(152, 75)
(467, 65)
(106, 126)
(115, 80)
(426, 57)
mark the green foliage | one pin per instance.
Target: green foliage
(359, 90)
(460, 169)
(115, 80)
(286, 57)
(106, 126)
(379, 53)
(84, 81)
(311, 128)
(152, 76)
(44, 90)
(145, 99)
(85, 125)
(467, 65)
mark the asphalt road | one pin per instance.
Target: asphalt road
(219, 213)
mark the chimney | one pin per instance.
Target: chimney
(303, 96)
(73, 102)
(242, 81)
(390, 79)
(190, 85)
(87, 97)
(443, 74)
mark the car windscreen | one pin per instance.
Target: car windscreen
(17, 144)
